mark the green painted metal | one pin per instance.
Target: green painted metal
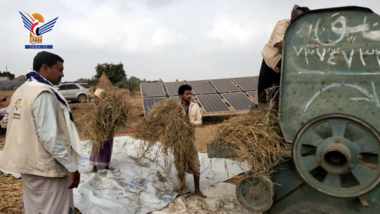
(354, 167)
(287, 179)
(292, 194)
(255, 194)
(331, 64)
(329, 95)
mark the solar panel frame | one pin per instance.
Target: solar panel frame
(212, 103)
(201, 87)
(246, 83)
(18, 84)
(224, 85)
(238, 101)
(251, 94)
(256, 78)
(8, 84)
(152, 90)
(172, 87)
(148, 103)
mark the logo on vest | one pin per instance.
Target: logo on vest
(17, 107)
(18, 104)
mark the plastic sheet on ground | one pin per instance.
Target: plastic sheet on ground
(221, 198)
(142, 185)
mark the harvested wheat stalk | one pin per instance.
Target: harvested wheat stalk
(256, 139)
(166, 123)
(106, 115)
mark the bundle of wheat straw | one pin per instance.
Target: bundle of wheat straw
(256, 139)
(166, 123)
(105, 83)
(108, 114)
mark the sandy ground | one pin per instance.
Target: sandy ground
(11, 188)
(10, 194)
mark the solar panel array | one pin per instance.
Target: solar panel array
(172, 87)
(246, 83)
(215, 97)
(252, 94)
(224, 85)
(202, 87)
(152, 90)
(212, 103)
(238, 101)
(256, 79)
(10, 84)
(148, 103)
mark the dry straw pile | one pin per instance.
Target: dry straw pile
(105, 83)
(106, 115)
(166, 123)
(256, 138)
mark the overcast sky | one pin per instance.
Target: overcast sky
(168, 39)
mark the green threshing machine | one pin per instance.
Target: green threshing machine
(330, 112)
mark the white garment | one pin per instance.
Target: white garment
(47, 195)
(74, 136)
(195, 114)
(45, 117)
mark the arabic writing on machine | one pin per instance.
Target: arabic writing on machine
(335, 45)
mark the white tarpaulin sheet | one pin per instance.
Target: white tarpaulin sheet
(221, 198)
(141, 185)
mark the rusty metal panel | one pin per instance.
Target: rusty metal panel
(331, 64)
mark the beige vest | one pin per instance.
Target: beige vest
(270, 53)
(23, 153)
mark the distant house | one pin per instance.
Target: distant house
(4, 78)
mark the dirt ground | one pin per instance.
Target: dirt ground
(10, 194)
(11, 188)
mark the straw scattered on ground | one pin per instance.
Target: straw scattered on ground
(106, 115)
(256, 138)
(10, 194)
(166, 123)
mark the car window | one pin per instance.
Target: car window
(71, 87)
(62, 87)
(84, 85)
